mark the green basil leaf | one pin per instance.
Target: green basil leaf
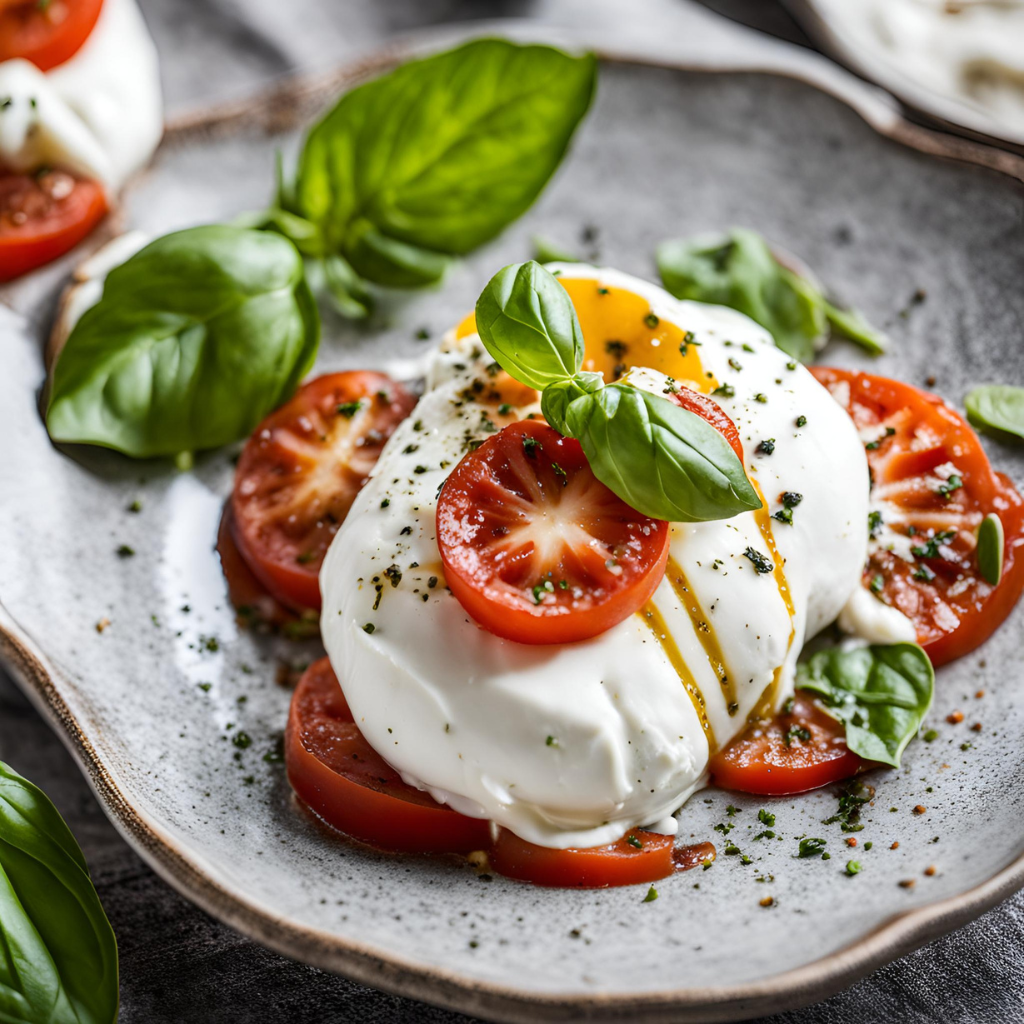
(196, 338)
(739, 270)
(663, 460)
(881, 693)
(556, 398)
(997, 409)
(58, 954)
(991, 542)
(440, 154)
(527, 323)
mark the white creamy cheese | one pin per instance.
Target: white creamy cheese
(98, 114)
(572, 745)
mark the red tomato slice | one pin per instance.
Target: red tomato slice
(43, 216)
(249, 597)
(45, 33)
(792, 753)
(536, 548)
(709, 409)
(637, 857)
(300, 472)
(933, 485)
(341, 777)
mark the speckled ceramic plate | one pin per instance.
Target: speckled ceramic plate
(150, 704)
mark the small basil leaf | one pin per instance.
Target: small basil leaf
(442, 153)
(58, 954)
(990, 549)
(527, 323)
(196, 338)
(739, 270)
(556, 398)
(881, 693)
(663, 460)
(997, 409)
(546, 251)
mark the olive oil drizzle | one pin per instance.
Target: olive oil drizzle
(704, 630)
(656, 624)
(765, 707)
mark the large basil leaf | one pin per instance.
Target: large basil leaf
(881, 693)
(998, 409)
(439, 155)
(527, 322)
(663, 460)
(196, 338)
(58, 955)
(739, 270)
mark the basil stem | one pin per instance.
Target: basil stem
(58, 954)
(881, 693)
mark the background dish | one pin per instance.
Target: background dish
(873, 218)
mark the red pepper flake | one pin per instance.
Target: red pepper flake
(906, 883)
(851, 840)
(979, 695)
(920, 809)
(895, 846)
(768, 901)
(930, 870)
(976, 727)
(102, 624)
(955, 717)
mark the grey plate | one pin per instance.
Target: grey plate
(664, 151)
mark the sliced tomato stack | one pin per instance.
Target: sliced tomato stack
(46, 214)
(297, 478)
(932, 485)
(347, 783)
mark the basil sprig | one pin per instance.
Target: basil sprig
(58, 954)
(196, 338)
(665, 461)
(998, 409)
(431, 160)
(881, 693)
(739, 270)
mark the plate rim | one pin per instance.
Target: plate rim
(285, 104)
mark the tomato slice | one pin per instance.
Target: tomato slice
(255, 606)
(341, 777)
(46, 33)
(637, 857)
(799, 750)
(709, 409)
(43, 216)
(536, 548)
(932, 485)
(300, 472)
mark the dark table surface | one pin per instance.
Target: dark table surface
(178, 964)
